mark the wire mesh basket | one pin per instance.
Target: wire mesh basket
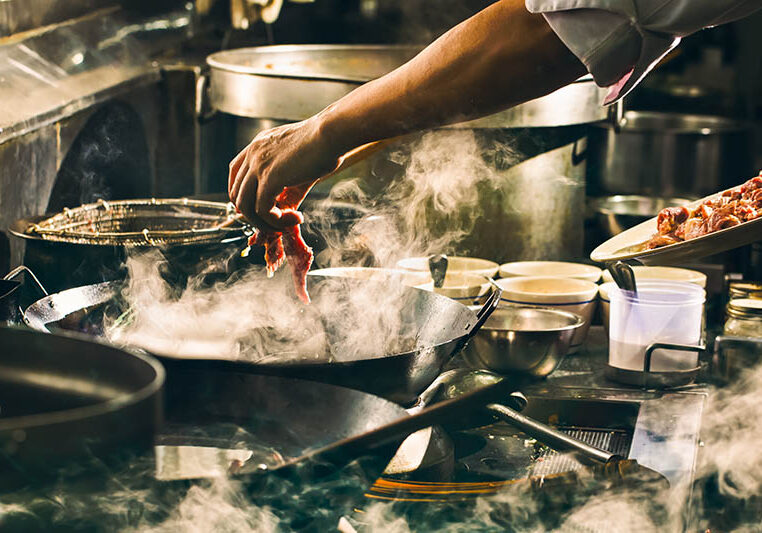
(148, 222)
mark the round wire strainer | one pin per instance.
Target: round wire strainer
(148, 222)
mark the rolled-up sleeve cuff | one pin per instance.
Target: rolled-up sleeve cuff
(609, 42)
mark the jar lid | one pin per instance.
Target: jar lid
(745, 289)
(749, 308)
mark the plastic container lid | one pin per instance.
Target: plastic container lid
(662, 294)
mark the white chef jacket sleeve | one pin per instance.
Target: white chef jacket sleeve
(603, 34)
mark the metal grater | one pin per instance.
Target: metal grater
(549, 461)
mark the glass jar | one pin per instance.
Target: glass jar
(744, 318)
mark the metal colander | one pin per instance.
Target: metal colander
(148, 222)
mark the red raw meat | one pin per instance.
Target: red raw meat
(287, 244)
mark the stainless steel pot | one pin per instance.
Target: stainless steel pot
(667, 154)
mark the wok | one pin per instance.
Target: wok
(432, 328)
(64, 397)
(289, 426)
(66, 400)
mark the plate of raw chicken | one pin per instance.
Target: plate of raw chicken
(717, 223)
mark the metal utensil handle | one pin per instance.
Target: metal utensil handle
(623, 276)
(16, 272)
(438, 269)
(487, 309)
(666, 346)
(553, 438)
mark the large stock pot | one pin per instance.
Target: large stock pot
(669, 154)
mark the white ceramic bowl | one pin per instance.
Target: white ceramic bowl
(465, 265)
(556, 269)
(465, 288)
(664, 274)
(603, 294)
(411, 279)
(573, 295)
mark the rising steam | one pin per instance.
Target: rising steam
(429, 209)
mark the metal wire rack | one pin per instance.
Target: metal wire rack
(144, 222)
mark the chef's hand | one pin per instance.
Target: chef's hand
(287, 156)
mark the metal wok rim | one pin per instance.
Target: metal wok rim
(89, 411)
(110, 287)
(578, 321)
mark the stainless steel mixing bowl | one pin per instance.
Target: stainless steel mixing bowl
(525, 340)
(614, 214)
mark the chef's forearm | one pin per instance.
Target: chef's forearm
(498, 58)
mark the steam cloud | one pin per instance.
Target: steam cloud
(429, 209)
(255, 319)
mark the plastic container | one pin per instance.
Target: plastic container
(666, 312)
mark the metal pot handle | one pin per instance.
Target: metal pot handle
(720, 368)
(16, 272)
(616, 115)
(667, 346)
(493, 300)
(203, 106)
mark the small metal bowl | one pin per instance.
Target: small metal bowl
(614, 214)
(525, 340)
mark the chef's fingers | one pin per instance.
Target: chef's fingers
(281, 218)
(244, 173)
(245, 190)
(235, 166)
(245, 200)
(271, 213)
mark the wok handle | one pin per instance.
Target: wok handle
(487, 309)
(16, 272)
(553, 438)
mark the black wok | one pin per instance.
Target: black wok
(289, 425)
(64, 397)
(435, 328)
(66, 401)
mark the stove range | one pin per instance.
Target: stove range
(183, 483)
